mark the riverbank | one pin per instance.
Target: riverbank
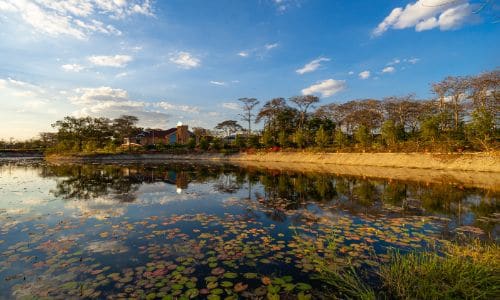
(480, 170)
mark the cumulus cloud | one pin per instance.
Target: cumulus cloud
(116, 61)
(243, 53)
(325, 88)
(426, 15)
(364, 75)
(72, 68)
(389, 69)
(77, 19)
(231, 105)
(185, 60)
(312, 65)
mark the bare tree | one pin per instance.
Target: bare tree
(247, 116)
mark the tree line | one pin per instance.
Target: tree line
(463, 115)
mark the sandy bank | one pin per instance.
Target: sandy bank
(472, 170)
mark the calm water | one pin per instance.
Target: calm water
(97, 231)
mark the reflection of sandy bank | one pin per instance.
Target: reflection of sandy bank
(483, 180)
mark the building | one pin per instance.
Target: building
(176, 135)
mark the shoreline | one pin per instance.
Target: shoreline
(479, 170)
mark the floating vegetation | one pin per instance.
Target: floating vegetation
(176, 232)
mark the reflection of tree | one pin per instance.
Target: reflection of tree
(227, 183)
(89, 181)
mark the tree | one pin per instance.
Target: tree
(430, 129)
(482, 127)
(299, 138)
(389, 133)
(303, 104)
(362, 136)
(321, 138)
(247, 116)
(228, 127)
(283, 139)
(340, 138)
(125, 127)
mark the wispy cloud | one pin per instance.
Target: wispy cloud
(259, 51)
(325, 88)
(116, 61)
(231, 105)
(312, 66)
(185, 60)
(219, 83)
(426, 15)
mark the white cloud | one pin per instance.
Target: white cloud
(326, 88)
(73, 68)
(185, 60)
(312, 66)
(185, 108)
(220, 83)
(394, 62)
(364, 75)
(75, 18)
(388, 70)
(271, 46)
(351, 73)
(117, 61)
(110, 102)
(426, 15)
(231, 105)
(243, 53)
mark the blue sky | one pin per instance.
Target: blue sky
(189, 61)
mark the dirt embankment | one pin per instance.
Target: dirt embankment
(473, 170)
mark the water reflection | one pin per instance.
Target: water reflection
(280, 191)
(69, 231)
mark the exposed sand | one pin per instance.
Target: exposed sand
(472, 170)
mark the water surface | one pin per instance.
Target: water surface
(195, 230)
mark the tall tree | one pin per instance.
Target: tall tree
(303, 104)
(247, 116)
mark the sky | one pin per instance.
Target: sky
(170, 61)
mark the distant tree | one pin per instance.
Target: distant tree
(267, 138)
(303, 104)
(283, 139)
(362, 136)
(340, 138)
(247, 116)
(204, 144)
(482, 127)
(429, 130)
(228, 127)
(125, 127)
(389, 133)
(300, 138)
(322, 137)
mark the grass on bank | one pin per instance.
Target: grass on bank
(463, 272)
(469, 271)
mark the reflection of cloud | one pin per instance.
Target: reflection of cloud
(107, 246)
(99, 208)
